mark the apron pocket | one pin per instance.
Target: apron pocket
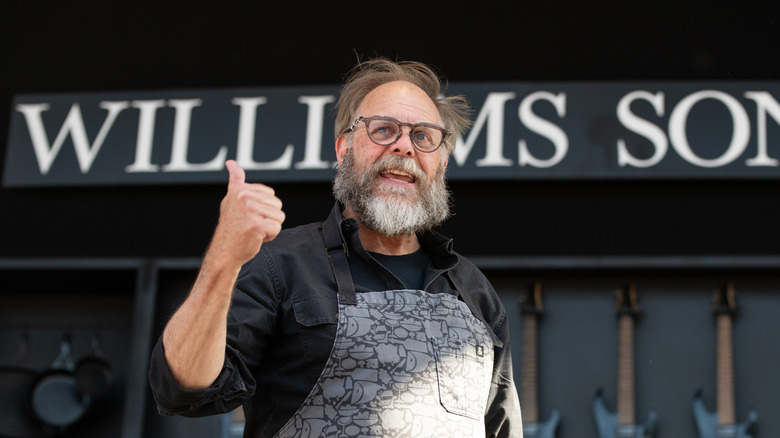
(464, 372)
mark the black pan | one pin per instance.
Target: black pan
(55, 398)
(94, 375)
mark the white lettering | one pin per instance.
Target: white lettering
(181, 140)
(73, 126)
(678, 133)
(246, 137)
(544, 128)
(312, 158)
(642, 127)
(765, 103)
(694, 126)
(492, 112)
(143, 144)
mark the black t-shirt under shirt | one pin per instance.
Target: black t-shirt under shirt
(409, 268)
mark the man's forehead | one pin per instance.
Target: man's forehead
(402, 100)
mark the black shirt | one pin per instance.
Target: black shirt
(409, 268)
(282, 323)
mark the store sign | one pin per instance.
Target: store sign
(593, 130)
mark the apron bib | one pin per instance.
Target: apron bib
(405, 363)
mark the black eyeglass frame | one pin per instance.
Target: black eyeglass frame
(412, 126)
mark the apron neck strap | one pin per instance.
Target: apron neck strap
(337, 254)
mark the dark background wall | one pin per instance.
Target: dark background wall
(74, 46)
(127, 45)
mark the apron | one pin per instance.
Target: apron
(405, 363)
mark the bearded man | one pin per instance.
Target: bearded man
(367, 324)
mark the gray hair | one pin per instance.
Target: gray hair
(366, 76)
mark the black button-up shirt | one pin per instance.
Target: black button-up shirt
(282, 324)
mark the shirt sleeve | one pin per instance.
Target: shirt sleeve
(250, 323)
(231, 387)
(503, 418)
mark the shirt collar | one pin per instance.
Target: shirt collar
(438, 246)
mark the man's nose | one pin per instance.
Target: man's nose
(404, 144)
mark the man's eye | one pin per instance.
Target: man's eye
(384, 130)
(421, 136)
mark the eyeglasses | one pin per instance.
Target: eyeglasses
(384, 131)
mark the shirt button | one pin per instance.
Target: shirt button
(349, 226)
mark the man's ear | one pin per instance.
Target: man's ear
(342, 146)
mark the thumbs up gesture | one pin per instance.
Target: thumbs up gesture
(250, 214)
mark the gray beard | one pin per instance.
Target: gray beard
(392, 210)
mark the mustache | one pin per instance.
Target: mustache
(394, 162)
(427, 206)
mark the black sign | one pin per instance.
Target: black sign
(522, 131)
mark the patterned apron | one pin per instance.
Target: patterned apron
(405, 363)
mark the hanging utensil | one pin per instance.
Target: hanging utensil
(55, 397)
(94, 373)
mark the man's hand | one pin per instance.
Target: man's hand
(250, 214)
(194, 338)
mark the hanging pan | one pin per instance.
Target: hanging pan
(94, 373)
(55, 398)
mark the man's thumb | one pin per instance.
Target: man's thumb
(237, 174)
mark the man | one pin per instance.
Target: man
(367, 324)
